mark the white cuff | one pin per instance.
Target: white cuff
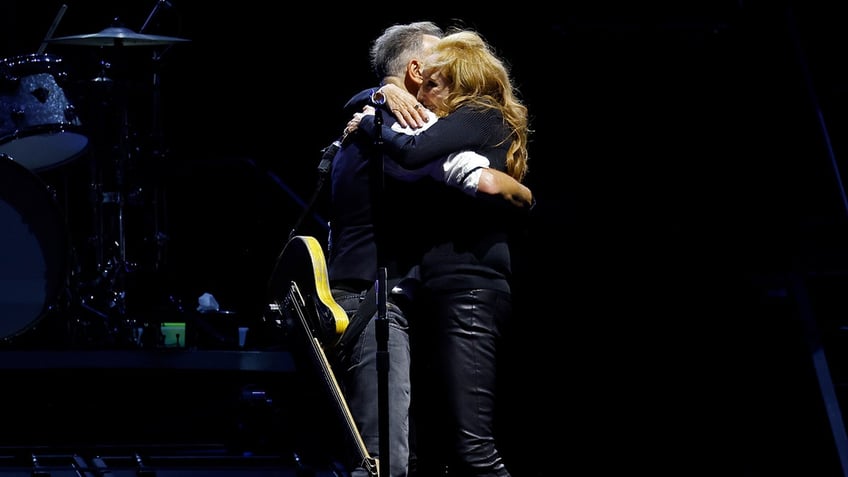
(462, 170)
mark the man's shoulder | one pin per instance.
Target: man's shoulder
(360, 99)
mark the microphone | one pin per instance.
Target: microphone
(329, 152)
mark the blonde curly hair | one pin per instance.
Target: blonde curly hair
(478, 77)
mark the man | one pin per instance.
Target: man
(366, 234)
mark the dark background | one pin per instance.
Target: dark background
(686, 161)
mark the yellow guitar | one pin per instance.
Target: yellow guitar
(307, 305)
(302, 261)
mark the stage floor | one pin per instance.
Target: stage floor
(83, 397)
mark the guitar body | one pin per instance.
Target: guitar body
(301, 298)
(302, 261)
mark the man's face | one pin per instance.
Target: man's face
(413, 73)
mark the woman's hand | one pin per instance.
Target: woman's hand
(404, 106)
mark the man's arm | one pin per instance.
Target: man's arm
(470, 172)
(497, 183)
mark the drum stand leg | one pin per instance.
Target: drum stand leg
(105, 293)
(118, 267)
(159, 154)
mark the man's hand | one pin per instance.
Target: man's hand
(354, 121)
(500, 184)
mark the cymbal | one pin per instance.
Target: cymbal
(117, 36)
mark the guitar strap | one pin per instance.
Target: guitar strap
(364, 314)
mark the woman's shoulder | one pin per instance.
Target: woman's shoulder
(476, 112)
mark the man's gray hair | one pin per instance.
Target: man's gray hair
(398, 44)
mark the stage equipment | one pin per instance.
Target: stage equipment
(102, 283)
(39, 126)
(117, 37)
(35, 249)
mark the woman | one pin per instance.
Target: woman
(462, 251)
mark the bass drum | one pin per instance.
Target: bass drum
(34, 256)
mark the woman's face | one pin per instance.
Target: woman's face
(434, 90)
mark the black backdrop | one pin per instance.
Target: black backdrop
(680, 154)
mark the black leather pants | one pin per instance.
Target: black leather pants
(454, 382)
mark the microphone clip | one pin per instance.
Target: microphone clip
(327, 155)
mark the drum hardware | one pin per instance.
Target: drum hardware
(39, 126)
(35, 250)
(52, 29)
(111, 187)
(158, 153)
(117, 36)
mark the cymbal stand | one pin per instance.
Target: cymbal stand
(107, 298)
(115, 264)
(158, 153)
(157, 145)
(160, 237)
(153, 12)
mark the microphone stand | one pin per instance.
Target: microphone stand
(382, 324)
(381, 321)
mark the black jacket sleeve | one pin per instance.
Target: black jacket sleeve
(466, 128)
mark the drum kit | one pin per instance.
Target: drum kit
(43, 133)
